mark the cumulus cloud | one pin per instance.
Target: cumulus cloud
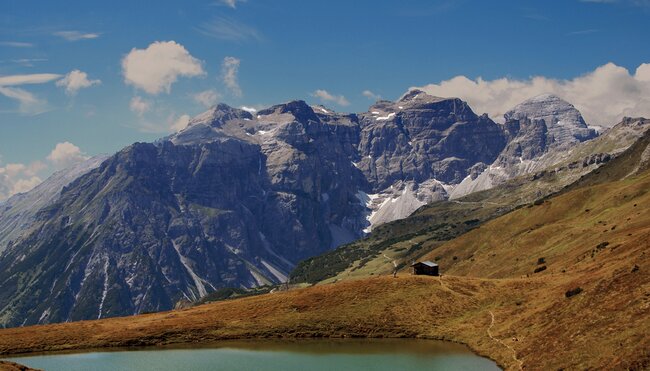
(325, 96)
(229, 71)
(603, 96)
(18, 178)
(76, 80)
(139, 105)
(370, 95)
(179, 123)
(65, 154)
(207, 98)
(157, 67)
(76, 35)
(227, 29)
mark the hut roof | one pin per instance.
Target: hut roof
(427, 263)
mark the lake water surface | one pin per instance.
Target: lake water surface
(316, 355)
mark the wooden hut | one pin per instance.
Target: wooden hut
(426, 268)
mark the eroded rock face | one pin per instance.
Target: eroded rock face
(540, 125)
(421, 137)
(543, 126)
(564, 123)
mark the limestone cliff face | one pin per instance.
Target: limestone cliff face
(421, 137)
(537, 130)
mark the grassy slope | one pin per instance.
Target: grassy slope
(454, 309)
(604, 326)
(407, 239)
(610, 320)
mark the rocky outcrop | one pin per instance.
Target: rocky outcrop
(13, 366)
(421, 137)
(540, 127)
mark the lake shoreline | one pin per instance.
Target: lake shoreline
(371, 349)
(498, 319)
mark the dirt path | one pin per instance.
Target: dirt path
(476, 202)
(391, 260)
(514, 352)
(444, 285)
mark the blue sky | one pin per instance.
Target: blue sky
(322, 51)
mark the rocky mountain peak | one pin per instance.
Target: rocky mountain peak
(538, 130)
(299, 109)
(219, 114)
(419, 96)
(550, 108)
(563, 123)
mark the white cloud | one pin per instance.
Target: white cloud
(370, 95)
(603, 96)
(583, 32)
(28, 62)
(18, 178)
(26, 184)
(643, 73)
(229, 71)
(76, 80)
(28, 103)
(251, 110)
(76, 35)
(325, 96)
(207, 98)
(231, 3)
(35, 78)
(179, 123)
(227, 29)
(157, 67)
(161, 124)
(16, 44)
(139, 105)
(65, 154)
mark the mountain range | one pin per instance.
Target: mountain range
(239, 198)
(558, 283)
